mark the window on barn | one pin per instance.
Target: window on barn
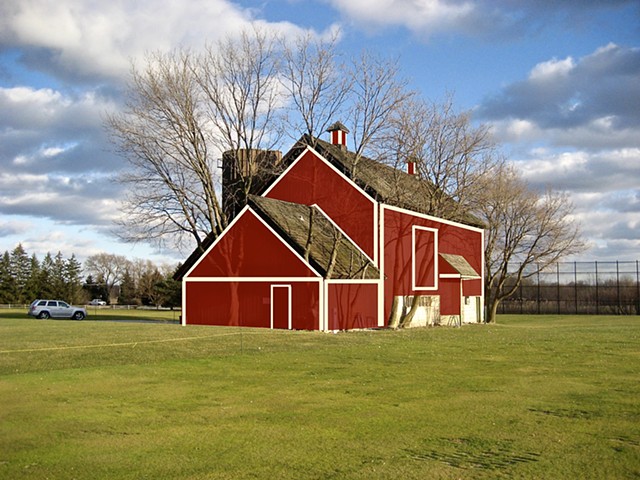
(424, 265)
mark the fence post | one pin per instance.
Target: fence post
(575, 285)
(538, 275)
(638, 288)
(597, 297)
(521, 300)
(618, 287)
(558, 284)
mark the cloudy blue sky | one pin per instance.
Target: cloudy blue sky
(558, 81)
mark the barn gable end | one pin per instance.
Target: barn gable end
(250, 248)
(311, 180)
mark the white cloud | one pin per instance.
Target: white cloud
(91, 39)
(62, 199)
(582, 171)
(14, 227)
(46, 131)
(426, 16)
(551, 70)
(592, 102)
(574, 125)
(474, 18)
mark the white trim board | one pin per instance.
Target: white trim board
(254, 279)
(435, 232)
(345, 233)
(328, 163)
(432, 218)
(374, 203)
(243, 212)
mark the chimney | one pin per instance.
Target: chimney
(411, 166)
(338, 135)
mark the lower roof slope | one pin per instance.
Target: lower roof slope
(316, 238)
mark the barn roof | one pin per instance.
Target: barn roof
(384, 182)
(293, 221)
(460, 265)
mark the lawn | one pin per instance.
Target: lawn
(531, 397)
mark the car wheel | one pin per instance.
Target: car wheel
(44, 315)
(78, 316)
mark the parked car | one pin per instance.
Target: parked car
(97, 302)
(55, 309)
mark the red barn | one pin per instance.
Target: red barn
(336, 242)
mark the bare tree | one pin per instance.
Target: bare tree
(315, 83)
(107, 268)
(447, 151)
(184, 111)
(523, 228)
(145, 275)
(242, 98)
(240, 82)
(162, 132)
(377, 93)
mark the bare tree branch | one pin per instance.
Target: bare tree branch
(523, 227)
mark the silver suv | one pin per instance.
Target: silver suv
(55, 309)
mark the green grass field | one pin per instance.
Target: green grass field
(531, 397)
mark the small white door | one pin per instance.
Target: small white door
(281, 306)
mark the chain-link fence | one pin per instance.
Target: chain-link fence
(578, 288)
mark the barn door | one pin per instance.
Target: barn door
(281, 306)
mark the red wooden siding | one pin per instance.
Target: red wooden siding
(398, 256)
(352, 306)
(424, 246)
(311, 180)
(248, 304)
(450, 297)
(472, 288)
(250, 249)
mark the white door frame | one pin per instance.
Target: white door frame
(288, 287)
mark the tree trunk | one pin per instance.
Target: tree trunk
(492, 310)
(394, 317)
(408, 317)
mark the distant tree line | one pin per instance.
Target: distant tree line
(112, 278)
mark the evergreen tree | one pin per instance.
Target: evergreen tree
(46, 277)
(73, 279)
(169, 292)
(20, 268)
(32, 288)
(58, 280)
(128, 290)
(7, 286)
(93, 288)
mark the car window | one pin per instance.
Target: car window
(52, 304)
(62, 304)
(42, 303)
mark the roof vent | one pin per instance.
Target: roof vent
(338, 134)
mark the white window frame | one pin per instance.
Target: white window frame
(414, 284)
